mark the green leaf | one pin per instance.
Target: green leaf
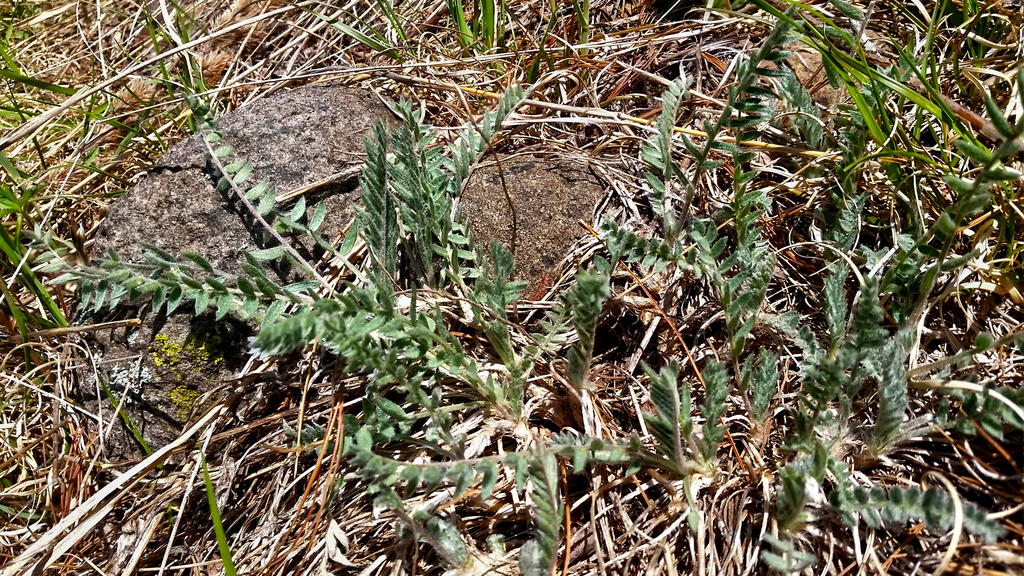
(847, 9)
(548, 511)
(489, 477)
(159, 297)
(258, 190)
(198, 260)
(318, 217)
(531, 560)
(174, 299)
(224, 302)
(216, 284)
(155, 250)
(202, 301)
(974, 151)
(717, 381)
(100, 295)
(299, 210)
(36, 83)
(243, 174)
(835, 300)
(358, 36)
(272, 313)
(983, 341)
(234, 167)
(669, 421)
(268, 253)
(995, 115)
(585, 301)
(892, 392)
(246, 286)
(959, 185)
(249, 307)
(763, 383)
(447, 541)
(267, 202)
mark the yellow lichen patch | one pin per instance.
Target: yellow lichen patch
(170, 352)
(183, 398)
(205, 351)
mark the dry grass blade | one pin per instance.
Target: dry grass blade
(75, 526)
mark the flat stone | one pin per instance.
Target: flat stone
(550, 196)
(163, 368)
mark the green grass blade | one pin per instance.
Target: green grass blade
(458, 13)
(392, 17)
(126, 419)
(13, 253)
(374, 43)
(36, 83)
(218, 527)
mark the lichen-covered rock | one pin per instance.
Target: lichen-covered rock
(549, 197)
(163, 368)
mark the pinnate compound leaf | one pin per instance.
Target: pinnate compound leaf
(538, 555)
(669, 423)
(763, 381)
(716, 378)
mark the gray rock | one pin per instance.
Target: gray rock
(164, 367)
(293, 139)
(549, 197)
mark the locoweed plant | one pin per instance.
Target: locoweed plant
(389, 325)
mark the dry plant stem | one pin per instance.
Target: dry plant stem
(252, 210)
(302, 402)
(39, 121)
(313, 478)
(67, 330)
(91, 512)
(933, 366)
(341, 176)
(599, 113)
(568, 524)
(338, 416)
(28, 447)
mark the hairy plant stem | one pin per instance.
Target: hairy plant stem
(252, 210)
